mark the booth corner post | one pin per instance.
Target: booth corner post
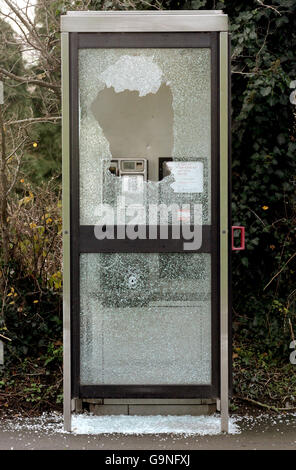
(165, 31)
(66, 232)
(224, 231)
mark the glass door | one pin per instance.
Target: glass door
(144, 207)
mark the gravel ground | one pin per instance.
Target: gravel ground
(45, 432)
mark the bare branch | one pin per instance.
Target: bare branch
(5, 337)
(262, 47)
(16, 172)
(31, 80)
(256, 215)
(17, 148)
(243, 73)
(268, 6)
(276, 275)
(34, 46)
(29, 26)
(33, 120)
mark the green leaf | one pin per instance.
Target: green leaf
(265, 91)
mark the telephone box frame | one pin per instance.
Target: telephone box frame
(78, 239)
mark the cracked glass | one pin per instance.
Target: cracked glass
(145, 139)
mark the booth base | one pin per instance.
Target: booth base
(146, 407)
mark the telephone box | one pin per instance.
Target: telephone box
(146, 217)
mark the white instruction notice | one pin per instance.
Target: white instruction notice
(188, 176)
(132, 183)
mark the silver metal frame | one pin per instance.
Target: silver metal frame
(165, 21)
(224, 235)
(66, 231)
(139, 21)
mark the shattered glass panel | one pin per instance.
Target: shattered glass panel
(143, 103)
(145, 318)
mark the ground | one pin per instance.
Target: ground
(264, 431)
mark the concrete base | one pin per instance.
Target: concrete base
(147, 407)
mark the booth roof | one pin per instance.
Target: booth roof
(144, 21)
